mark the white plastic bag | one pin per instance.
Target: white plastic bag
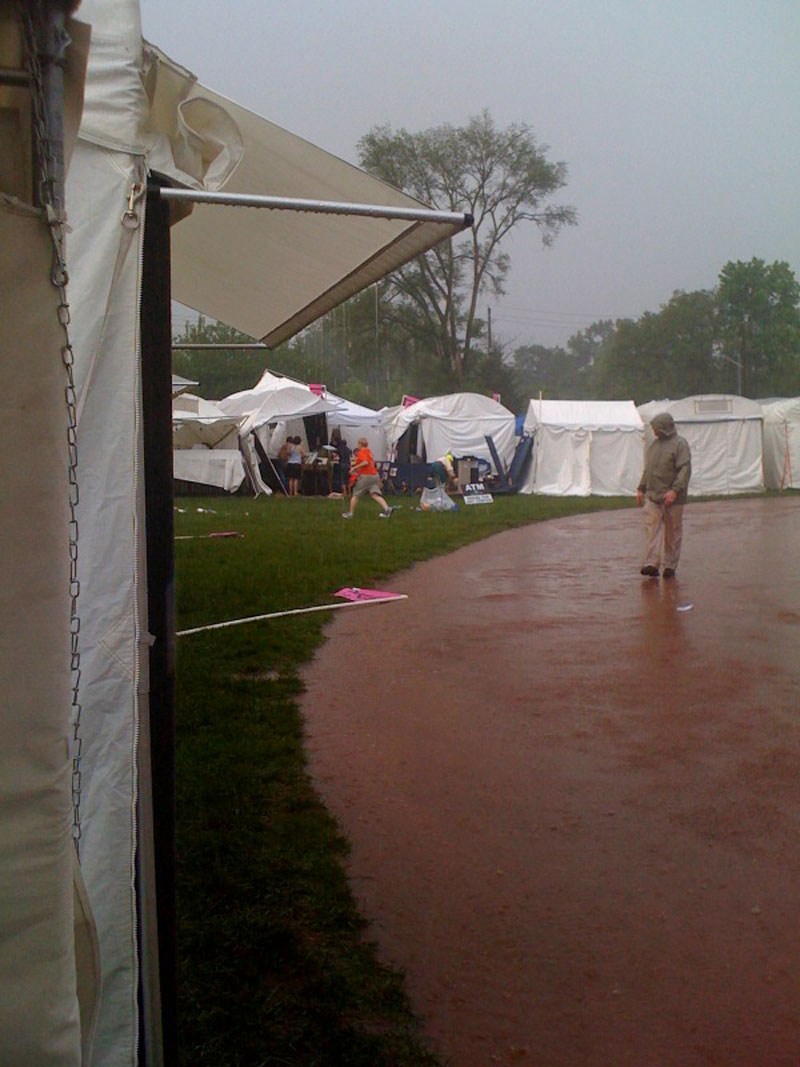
(436, 500)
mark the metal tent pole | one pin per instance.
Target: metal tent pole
(156, 369)
(321, 207)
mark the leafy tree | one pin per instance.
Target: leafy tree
(219, 371)
(503, 178)
(586, 347)
(538, 369)
(561, 373)
(760, 325)
(669, 353)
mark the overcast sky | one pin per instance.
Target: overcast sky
(677, 119)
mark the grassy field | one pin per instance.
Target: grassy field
(274, 964)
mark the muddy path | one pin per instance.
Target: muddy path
(573, 795)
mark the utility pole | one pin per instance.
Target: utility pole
(489, 329)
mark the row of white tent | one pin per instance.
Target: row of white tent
(582, 447)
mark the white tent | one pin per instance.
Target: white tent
(206, 444)
(266, 273)
(781, 443)
(196, 421)
(457, 423)
(724, 434)
(584, 447)
(283, 401)
(181, 385)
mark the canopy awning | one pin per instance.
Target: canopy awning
(271, 272)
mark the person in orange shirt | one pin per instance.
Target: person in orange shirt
(364, 478)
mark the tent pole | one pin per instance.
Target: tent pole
(461, 219)
(159, 964)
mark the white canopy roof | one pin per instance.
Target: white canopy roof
(710, 407)
(270, 273)
(584, 414)
(289, 402)
(457, 423)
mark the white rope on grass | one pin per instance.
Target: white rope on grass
(294, 611)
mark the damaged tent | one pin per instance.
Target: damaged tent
(278, 406)
(206, 445)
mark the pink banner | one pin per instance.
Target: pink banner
(317, 388)
(352, 593)
(409, 400)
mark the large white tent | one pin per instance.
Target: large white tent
(584, 447)
(457, 423)
(781, 443)
(724, 434)
(80, 969)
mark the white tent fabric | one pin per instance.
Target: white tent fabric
(291, 402)
(220, 467)
(46, 932)
(260, 405)
(457, 423)
(181, 385)
(781, 443)
(222, 258)
(205, 444)
(584, 447)
(196, 421)
(724, 434)
(39, 1023)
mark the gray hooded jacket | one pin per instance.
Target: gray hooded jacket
(668, 464)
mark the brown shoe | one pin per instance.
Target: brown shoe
(669, 572)
(650, 572)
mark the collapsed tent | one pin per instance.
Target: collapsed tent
(206, 444)
(283, 404)
(458, 423)
(96, 396)
(724, 434)
(781, 443)
(584, 447)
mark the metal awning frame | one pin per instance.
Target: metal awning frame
(321, 207)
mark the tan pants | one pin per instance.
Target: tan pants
(663, 528)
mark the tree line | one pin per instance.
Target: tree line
(418, 332)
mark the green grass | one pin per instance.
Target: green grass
(274, 964)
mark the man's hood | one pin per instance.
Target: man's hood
(663, 425)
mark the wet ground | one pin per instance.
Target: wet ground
(573, 794)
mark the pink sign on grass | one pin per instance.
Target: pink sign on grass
(353, 593)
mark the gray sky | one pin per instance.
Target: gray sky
(677, 119)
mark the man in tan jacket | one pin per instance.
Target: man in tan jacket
(662, 493)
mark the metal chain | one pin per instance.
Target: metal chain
(49, 201)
